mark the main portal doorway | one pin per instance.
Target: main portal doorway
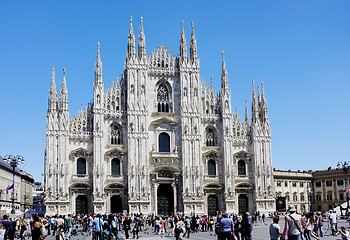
(243, 203)
(213, 207)
(81, 204)
(116, 204)
(165, 199)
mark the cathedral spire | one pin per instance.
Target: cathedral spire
(224, 78)
(64, 94)
(254, 105)
(259, 96)
(193, 46)
(53, 93)
(263, 103)
(246, 115)
(131, 40)
(98, 66)
(142, 41)
(183, 46)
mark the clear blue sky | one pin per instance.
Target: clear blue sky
(300, 49)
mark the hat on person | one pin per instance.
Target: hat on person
(292, 209)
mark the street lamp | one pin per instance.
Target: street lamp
(345, 166)
(13, 161)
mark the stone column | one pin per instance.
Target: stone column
(175, 197)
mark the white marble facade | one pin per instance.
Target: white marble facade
(158, 140)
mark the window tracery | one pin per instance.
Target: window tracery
(116, 135)
(163, 98)
(210, 137)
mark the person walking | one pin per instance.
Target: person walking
(97, 224)
(293, 225)
(275, 230)
(187, 226)
(226, 227)
(246, 226)
(126, 224)
(68, 222)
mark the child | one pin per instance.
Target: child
(2, 232)
(275, 231)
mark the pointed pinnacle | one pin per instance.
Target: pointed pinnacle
(182, 29)
(131, 27)
(192, 33)
(64, 79)
(141, 27)
(223, 60)
(53, 74)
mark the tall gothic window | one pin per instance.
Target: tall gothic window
(81, 166)
(164, 142)
(241, 167)
(211, 168)
(116, 135)
(115, 166)
(163, 98)
(210, 137)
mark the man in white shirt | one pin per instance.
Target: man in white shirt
(333, 219)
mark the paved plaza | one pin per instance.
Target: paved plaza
(260, 231)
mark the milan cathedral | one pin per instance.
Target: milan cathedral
(158, 140)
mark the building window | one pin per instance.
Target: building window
(211, 168)
(278, 183)
(115, 166)
(163, 98)
(295, 198)
(340, 182)
(318, 184)
(329, 183)
(287, 197)
(81, 166)
(210, 138)
(116, 135)
(164, 142)
(318, 197)
(294, 184)
(241, 167)
(302, 197)
(329, 196)
(301, 184)
(286, 183)
(341, 196)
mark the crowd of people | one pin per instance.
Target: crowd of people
(306, 226)
(223, 226)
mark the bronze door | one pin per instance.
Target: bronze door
(242, 203)
(116, 204)
(213, 207)
(81, 205)
(165, 200)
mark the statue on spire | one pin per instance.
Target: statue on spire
(224, 78)
(183, 46)
(131, 40)
(193, 46)
(142, 41)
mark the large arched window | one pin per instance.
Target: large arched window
(210, 137)
(211, 168)
(163, 98)
(116, 134)
(115, 166)
(164, 142)
(241, 167)
(81, 166)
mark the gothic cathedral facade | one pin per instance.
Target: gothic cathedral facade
(158, 140)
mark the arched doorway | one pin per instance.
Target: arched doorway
(81, 204)
(213, 207)
(116, 204)
(243, 203)
(165, 199)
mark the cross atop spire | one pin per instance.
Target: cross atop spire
(183, 46)
(142, 41)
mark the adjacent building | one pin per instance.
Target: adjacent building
(158, 140)
(22, 187)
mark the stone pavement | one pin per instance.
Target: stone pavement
(261, 231)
